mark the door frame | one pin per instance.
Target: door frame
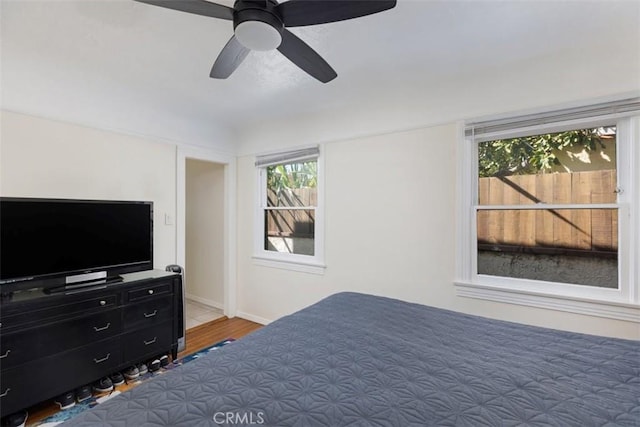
(229, 162)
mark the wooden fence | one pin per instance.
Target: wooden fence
(562, 229)
(291, 223)
(539, 231)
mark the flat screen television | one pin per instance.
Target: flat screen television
(52, 242)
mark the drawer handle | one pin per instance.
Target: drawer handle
(95, 328)
(103, 302)
(150, 342)
(5, 392)
(147, 315)
(150, 291)
(6, 353)
(104, 359)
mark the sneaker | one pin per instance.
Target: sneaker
(131, 373)
(154, 365)
(19, 419)
(117, 378)
(103, 385)
(142, 368)
(164, 360)
(83, 393)
(65, 401)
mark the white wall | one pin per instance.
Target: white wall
(565, 78)
(204, 269)
(45, 158)
(382, 211)
(390, 231)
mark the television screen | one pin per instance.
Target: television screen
(44, 238)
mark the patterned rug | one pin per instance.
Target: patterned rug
(66, 414)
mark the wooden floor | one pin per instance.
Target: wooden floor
(210, 333)
(198, 338)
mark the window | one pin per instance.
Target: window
(288, 218)
(520, 236)
(548, 209)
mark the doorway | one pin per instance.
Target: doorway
(204, 241)
(212, 197)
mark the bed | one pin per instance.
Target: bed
(361, 360)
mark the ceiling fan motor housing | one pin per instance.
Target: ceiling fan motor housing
(257, 25)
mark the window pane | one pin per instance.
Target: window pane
(577, 166)
(290, 231)
(292, 184)
(578, 246)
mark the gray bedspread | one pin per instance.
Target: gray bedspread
(360, 360)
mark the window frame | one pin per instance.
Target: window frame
(313, 264)
(621, 303)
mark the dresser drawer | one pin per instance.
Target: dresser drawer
(148, 313)
(21, 347)
(21, 316)
(150, 291)
(42, 379)
(148, 342)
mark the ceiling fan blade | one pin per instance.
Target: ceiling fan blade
(298, 13)
(199, 7)
(229, 59)
(306, 58)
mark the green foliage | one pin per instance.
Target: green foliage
(292, 175)
(532, 154)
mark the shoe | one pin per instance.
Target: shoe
(117, 378)
(164, 360)
(19, 419)
(142, 368)
(65, 401)
(83, 393)
(131, 373)
(104, 385)
(154, 365)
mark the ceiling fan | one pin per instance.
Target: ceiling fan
(262, 25)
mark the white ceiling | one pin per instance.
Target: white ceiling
(140, 69)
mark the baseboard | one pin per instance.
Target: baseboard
(251, 317)
(204, 301)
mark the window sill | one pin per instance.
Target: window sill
(303, 267)
(611, 310)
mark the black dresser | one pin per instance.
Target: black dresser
(54, 343)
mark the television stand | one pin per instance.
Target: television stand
(86, 285)
(52, 343)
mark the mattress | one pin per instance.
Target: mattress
(361, 360)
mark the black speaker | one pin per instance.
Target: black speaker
(174, 268)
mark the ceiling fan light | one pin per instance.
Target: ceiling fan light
(257, 35)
